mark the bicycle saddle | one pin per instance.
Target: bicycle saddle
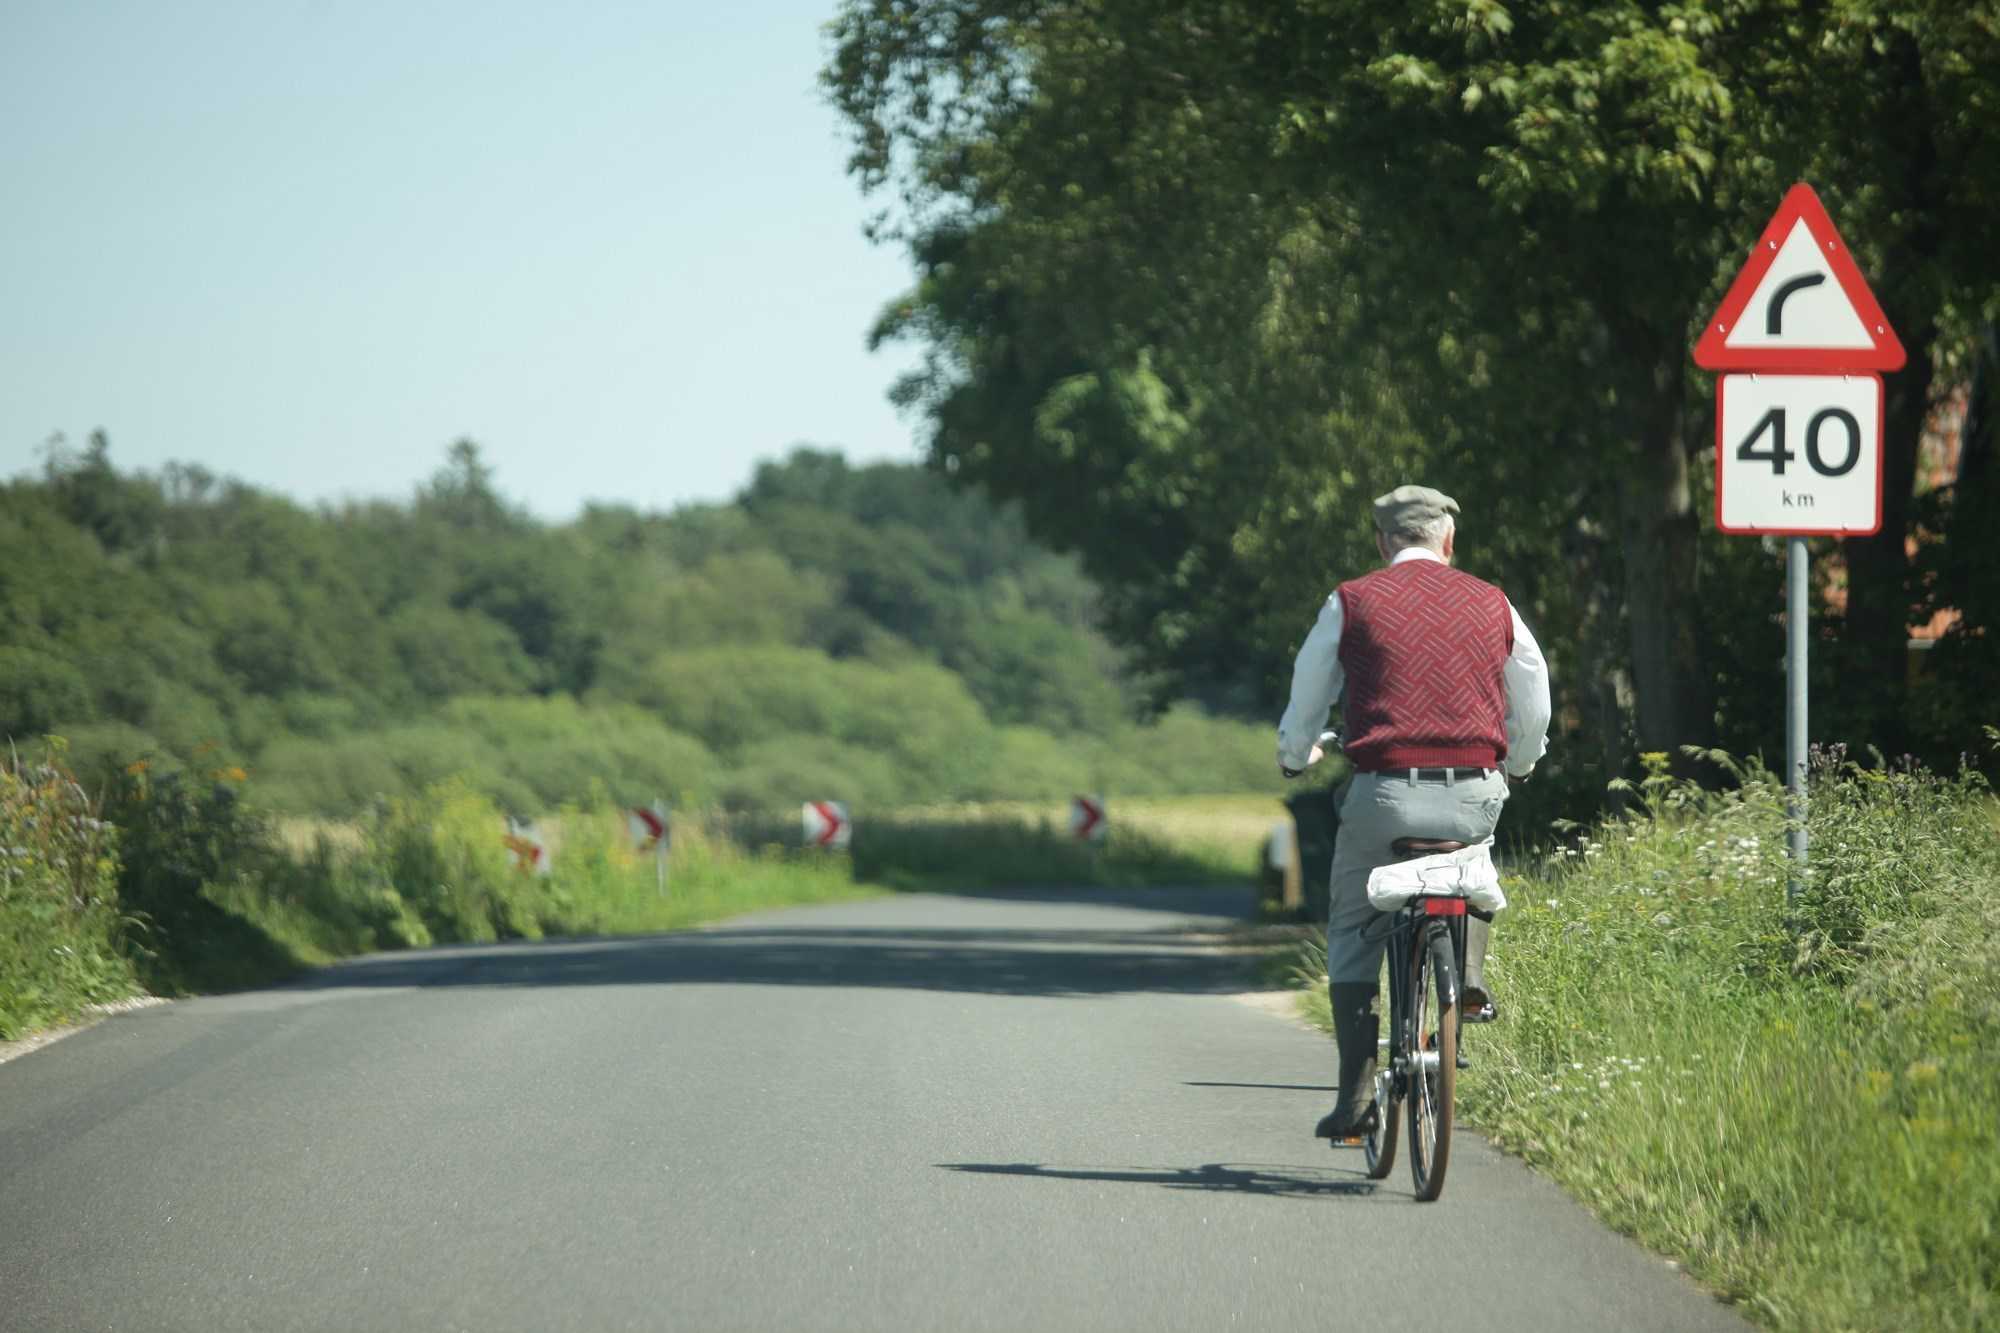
(1413, 847)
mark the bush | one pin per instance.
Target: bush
(991, 849)
(179, 836)
(1187, 752)
(1028, 763)
(443, 852)
(557, 748)
(776, 776)
(38, 690)
(59, 918)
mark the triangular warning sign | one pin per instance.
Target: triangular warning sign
(1799, 303)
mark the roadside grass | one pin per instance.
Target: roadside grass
(433, 869)
(1149, 840)
(1804, 1117)
(1225, 832)
(212, 894)
(1158, 840)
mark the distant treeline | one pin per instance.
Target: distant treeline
(866, 633)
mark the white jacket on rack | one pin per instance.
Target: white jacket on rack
(1468, 873)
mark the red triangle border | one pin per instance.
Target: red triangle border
(1801, 203)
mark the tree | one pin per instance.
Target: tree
(1166, 249)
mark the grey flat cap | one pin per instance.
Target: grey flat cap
(1404, 511)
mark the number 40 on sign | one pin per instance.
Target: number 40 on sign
(1799, 454)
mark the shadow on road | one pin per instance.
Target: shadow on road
(1275, 1087)
(1283, 1182)
(1177, 958)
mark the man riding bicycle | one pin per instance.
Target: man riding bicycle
(1445, 701)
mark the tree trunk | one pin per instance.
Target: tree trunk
(1602, 693)
(1875, 632)
(1673, 700)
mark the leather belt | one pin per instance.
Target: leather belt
(1433, 774)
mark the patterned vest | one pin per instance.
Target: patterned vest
(1423, 647)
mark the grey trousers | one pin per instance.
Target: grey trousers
(1375, 810)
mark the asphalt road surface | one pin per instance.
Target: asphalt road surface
(997, 1111)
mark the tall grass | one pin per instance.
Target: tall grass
(59, 919)
(217, 895)
(182, 884)
(1800, 1102)
(434, 869)
(1025, 843)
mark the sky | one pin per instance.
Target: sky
(309, 243)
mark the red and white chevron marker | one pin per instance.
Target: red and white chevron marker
(827, 825)
(649, 828)
(525, 846)
(1086, 818)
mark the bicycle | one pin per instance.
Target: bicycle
(1424, 973)
(1426, 939)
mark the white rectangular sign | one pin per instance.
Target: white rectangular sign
(1798, 454)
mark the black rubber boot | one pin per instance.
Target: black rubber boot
(1478, 1006)
(1355, 1028)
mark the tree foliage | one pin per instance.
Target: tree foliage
(863, 632)
(1195, 281)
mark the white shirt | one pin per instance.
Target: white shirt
(1318, 679)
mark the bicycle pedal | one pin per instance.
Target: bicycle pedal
(1352, 1141)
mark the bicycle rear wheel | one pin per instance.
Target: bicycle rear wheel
(1379, 1147)
(1433, 1010)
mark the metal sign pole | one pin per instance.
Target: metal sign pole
(1795, 712)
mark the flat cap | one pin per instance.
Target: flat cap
(1404, 511)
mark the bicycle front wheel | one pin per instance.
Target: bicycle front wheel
(1433, 1010)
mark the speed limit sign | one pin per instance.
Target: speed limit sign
(1798, 454)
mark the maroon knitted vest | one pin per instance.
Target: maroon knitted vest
(1423, 647)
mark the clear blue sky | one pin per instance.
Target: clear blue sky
(309, 243)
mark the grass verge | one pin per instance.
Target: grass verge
(1804, 1117)
(190, 889)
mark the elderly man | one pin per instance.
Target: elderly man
(1445, 700)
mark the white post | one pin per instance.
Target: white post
(660, 849)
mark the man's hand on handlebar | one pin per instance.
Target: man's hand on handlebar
(1327, 740)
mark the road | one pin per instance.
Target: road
(993, 1111)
